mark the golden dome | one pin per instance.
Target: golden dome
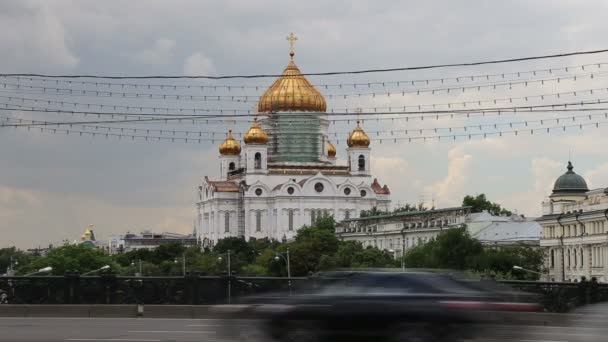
(255, 134)
(230, 146)
(331, 150)
(358, 138)
(292, 93)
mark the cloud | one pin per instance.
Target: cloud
(49, 217)
(160, 53)
(451, 189)
(543, 172)
(198, 64)
(33, 38)
(597, 177)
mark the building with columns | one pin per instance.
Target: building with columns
(284, 174)
(575, 230)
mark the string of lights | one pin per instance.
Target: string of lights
(383, 84)
(253, 98)
(447, 105)
(19, 122)
(166, 118)
(426, 138)
(330, 73)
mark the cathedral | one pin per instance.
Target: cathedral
(284, 174)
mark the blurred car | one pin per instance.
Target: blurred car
(409, 306)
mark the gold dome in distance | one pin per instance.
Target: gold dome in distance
(292, 92)
(256, 135)
(230, 147)
(331, 149)
(358, 137)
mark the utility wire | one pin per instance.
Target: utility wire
(354, 72)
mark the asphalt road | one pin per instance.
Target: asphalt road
(588, 325)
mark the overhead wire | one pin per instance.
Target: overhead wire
(330, 73)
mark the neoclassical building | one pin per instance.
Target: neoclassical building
(284, 173)
(575, 230)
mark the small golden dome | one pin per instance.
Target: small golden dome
(331, 149)
(230, 147)
(358, 138)
(256, 134)
(292, 93)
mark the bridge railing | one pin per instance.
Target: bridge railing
(194, 289)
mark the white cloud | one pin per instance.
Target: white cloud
(198, 64)
(597, 177)
(161, 53)
(33, 37)
(450, 190)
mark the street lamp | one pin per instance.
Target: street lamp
(519, 268)
(102, 268)
(183, 264)
(285, 256)
(220, 259)
(140, 268)
(42, 270)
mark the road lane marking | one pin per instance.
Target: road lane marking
(170, 332)
(112, 339)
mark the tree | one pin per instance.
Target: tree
(452, 249)
(73, 258)
(18, 256)
(480, 203)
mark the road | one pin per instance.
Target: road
(588, 325)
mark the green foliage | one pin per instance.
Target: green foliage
(18, 256)
(480, 203)
(73, 258)
(455, 249)
(406, 208)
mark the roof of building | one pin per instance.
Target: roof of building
(570, 183)
(224, 186)
(511, 231)
(380, 190)
(408, 213)
(292, 92)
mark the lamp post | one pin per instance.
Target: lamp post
(220, 259)
(285, 256)
(519, 268)
(102, 268)
(11, 268)
(183, 264)
(140, 268)
(42, 270)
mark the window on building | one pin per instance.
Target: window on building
(552, 258)
(361, 163)
(347, 214)
(313, 217)
(290, 220)
(257, 161)
(258, 221)
(582, 258)
(226, 222)
(231, 166)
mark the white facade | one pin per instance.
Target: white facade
(400, 232)
(514, 230)
(575, 233)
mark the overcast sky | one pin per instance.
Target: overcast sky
(52, 185)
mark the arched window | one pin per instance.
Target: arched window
(361, 163)
(258, 221)
(231, 166)
(257, 161)
(290, 219)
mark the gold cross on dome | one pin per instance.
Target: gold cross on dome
(292, 40)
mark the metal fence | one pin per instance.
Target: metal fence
(193, 289)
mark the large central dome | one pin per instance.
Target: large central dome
(292, 93)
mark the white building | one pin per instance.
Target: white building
(286, 176)
(401, 231)
(514, 230)
(148, 240)
(575, 230)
